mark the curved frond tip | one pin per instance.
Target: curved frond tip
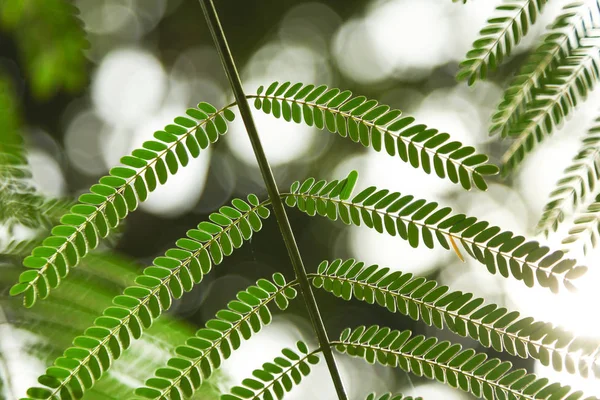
(578, 181)
(498, 38)
(419, 221)
(117, 194)
(462, 313)
(556, 98)
(565, 34)
(448, 363)
(379, 127)
(133, 312)
(203, 353)
(586, 228)
(276, 378)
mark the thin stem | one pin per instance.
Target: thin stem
(218, 35)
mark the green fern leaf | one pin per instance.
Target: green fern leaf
(564, 35)
(114, 197)
(448, 363)
(376, 126)
(203, 353)
(497, 39)
(419, 221)
(492, 326)
(578, 180)
(586, 228)
(57, 62)
(558, 94)
(276, 378)
(134, 311)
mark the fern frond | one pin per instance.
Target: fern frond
(565, 34)
(417, 220)
(203, 353)
(490, 325)
(115, 196)
(376, 126)
(51, 40)
(276, 378)
(390, 396)
(448, 363)
(586, 228)
(578, 180)
(134, 311)
(558, 94)
(497, 39)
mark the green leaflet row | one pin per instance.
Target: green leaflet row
(578, 181)
(377, 126)
(108, 202)
(544, 61)
(204, 352)
(419, 221)
(449, 363)
(498, 38)
(559, 94)
(133, 312)
(276, 378)
(461, 312)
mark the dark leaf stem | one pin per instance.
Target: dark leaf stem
(218, 35)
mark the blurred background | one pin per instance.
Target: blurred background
(149, 60)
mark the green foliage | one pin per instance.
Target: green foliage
(117, 194)
(419, 221)
(565, 34)
(559, 93)
(586, 227)
(558, 75)
(498, 38)
(276, 378)
(578, 181)
(20, 203)
(489, 324)
(140, 304)
(82, 298)
(376, 126)
(51, 40)
(448, 363)
(204, 353)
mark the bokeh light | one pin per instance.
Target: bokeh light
(128, 87)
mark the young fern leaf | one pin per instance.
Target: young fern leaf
(497, 39)
(578, 180)
(276, 378)
(448, 363)
(417, 220)
(376, 126)
(558, 94)
(133, 311)
(203, 353)
(564, 35)
(489, 324)
(390, 396)
(586, 228)
(118, 193)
